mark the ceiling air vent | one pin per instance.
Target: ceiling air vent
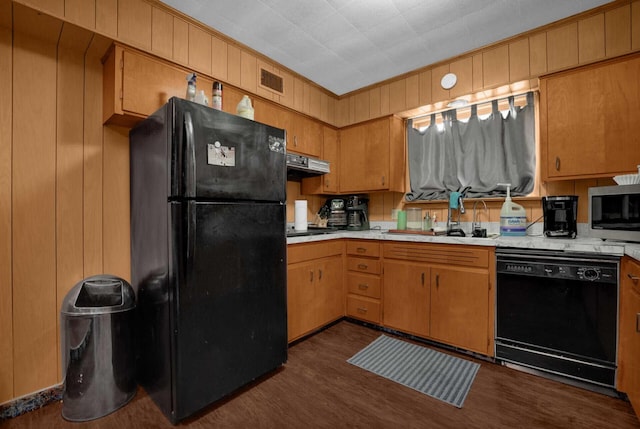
(271, 81)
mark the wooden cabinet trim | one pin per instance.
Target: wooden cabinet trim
(450, 254)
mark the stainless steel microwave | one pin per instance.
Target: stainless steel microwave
(614, 212)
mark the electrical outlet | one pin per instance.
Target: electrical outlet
(394, 214)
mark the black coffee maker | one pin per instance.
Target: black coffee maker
(357, 213)
(560, 216)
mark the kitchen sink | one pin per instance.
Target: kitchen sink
(311, 231)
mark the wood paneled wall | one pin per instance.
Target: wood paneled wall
(64, 195)
(6, 290)
(64, 188)
(610, 31)
(153, 27)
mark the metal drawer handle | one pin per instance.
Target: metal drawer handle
(361, 250)
(319, 274)
(633, 278)
(557, 163)
(363, 286)
(311, 276)
(362, 310)
(637, 322)
(363, 266)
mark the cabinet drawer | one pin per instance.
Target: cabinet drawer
(311, 251)
(363, 308)
(363, 284)
(363, 248)
(363, 265)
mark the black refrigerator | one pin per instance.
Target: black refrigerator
(208, 253)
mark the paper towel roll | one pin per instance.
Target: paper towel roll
(300, 215)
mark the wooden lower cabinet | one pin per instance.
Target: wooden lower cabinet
(440, 292)
(629, 332)
(315, 295)
(407, 300)
(460, 307)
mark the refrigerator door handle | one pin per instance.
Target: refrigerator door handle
(190, 157)
(191, 233)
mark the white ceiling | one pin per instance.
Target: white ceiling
(344, 45)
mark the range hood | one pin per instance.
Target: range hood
(301, 166)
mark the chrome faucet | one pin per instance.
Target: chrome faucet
(453, 226)
(476, 230)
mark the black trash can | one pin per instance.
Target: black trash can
(97, 345)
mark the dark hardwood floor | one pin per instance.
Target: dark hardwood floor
(317, 388)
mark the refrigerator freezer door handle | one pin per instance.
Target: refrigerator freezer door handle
(191, 233)
(190, 157)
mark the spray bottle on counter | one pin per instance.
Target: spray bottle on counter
(513, 217)
(191, 87)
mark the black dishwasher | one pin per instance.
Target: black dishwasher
(557, 312)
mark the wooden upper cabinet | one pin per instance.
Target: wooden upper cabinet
(588, 120)
(136, 85)
(372, 156)
(304, 136)
(327, 183)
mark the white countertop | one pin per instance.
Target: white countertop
(579, 244)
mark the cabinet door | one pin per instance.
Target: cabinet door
(629, 335)
(331, 153)
(136, 86)
(304, 136)
(329, 289)
(364, 157)
(406, 297)
(301, 299)
(588, 120)
(460, 308)
(327, 183)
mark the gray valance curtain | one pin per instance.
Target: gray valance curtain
(473, 157)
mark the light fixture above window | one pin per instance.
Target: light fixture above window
(459, 102)
(449, 80)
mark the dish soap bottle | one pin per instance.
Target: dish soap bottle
(426, 225)
(244, 108)
(513, 218)
(191, 87)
